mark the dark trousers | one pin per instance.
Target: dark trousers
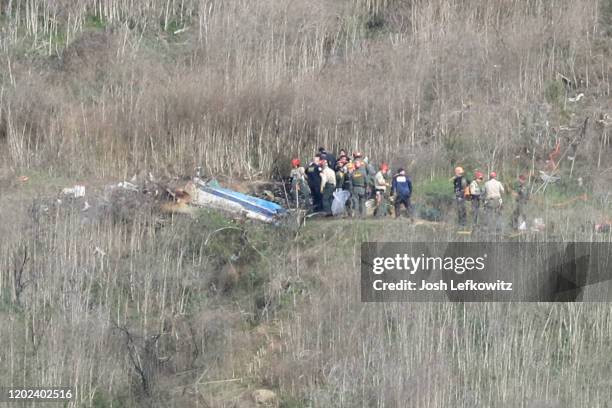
(461, 212)
(328, 197)
(317, 197)
(475, 209)
(518, 214)
(399, 200)
(349, 203)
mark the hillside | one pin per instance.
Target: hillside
(134, 307)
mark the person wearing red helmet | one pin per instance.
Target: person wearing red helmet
(476, 195)
(381, 184)
(299, 184)
(342, 173)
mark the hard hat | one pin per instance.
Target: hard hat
(458, 171)
(384, 167)
(478, 175)
(295, 162)
(493, 174)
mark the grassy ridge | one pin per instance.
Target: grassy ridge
(135, 309)
(179, 306)
(112, 88)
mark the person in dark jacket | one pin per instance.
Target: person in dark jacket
(459, 185)
(342, 154)
(313, 172)
(342, 174)
(401, 189)
(325, 155)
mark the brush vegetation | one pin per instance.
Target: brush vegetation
(132, 308)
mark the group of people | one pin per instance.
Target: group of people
(327, 174)
(316, 185)
(488, 195)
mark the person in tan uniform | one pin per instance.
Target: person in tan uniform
(381, 184)
(328, 186)
(493, 191)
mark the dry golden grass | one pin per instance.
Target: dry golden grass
(132, 308)
(108, 88)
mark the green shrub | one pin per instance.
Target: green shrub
(554, 92)
(437, 193)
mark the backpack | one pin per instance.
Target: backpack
(467, 194)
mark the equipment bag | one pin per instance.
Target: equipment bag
(467, 194)
(339, 204)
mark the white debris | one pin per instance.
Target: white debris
(576, 98)
(126, 185)
(548, 178)
(76, 191)
(538, 225)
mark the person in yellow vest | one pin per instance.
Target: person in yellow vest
(359, 182)
(299, 184)
(476, 195)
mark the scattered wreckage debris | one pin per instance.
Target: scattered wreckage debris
(182, 196)
(211, 195)
(179, 203)
(77, 191)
